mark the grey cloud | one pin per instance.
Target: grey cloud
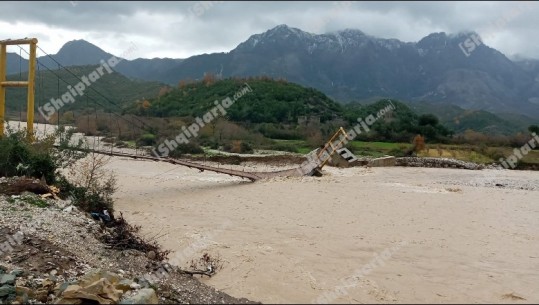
(181, 29)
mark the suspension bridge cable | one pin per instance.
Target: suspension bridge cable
(91, 88)
(95, 101)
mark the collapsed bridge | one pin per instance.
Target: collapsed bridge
(315, 161)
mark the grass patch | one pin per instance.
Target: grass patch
(35, 201)
(379, 146)
(375, 149)
(304, 150)
(532, 157)
(295, 146)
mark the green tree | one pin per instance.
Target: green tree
(428, 119)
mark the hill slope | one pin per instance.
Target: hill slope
(269, 102)
(116, 87)
(81, 52)
(459, 119)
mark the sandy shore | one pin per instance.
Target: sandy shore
(299, 239)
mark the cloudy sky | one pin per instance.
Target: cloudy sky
(182, 29)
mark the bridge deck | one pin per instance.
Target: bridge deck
(253, 176)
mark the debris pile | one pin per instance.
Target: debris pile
(438, 163)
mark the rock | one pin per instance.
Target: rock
(63, 203)
(60, 288)
(27, 194)
(3, 269)
(21, 291)
(23, 298)
(97, 274)
(75, 292)
(135, 286)
(144, 296)
(7, 279)
(41, 295)
(7, 291)
(21, 282)
(51, 297)
(144, 282)
(69, 290)
(437, 163)
(105, 289)
(68, 301)
(101, 291)
(69, 209)
(151, 255)
(124, 285)
(17, 272)
(48, 283)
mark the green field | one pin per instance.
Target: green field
(299, 146)
(375, 149)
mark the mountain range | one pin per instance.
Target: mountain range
(349, 66)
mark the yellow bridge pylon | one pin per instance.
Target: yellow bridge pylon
(29, 83)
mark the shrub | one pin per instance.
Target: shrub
(42, 165)
(189, 148)
(209, 142)
(91, 185)
(238, 147)
(38, 159)
(245, 148)
(147, 139)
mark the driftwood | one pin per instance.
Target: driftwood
(199, 272)
(123, 236)
(22, 185)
